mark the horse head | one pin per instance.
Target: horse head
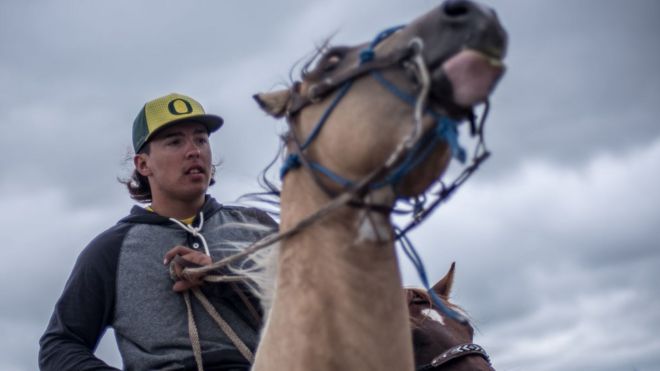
(368, 124)
(441, 342)
(388, 109)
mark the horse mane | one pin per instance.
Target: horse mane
(312, 68)
(270, 196)
(259, 271)
(317, 62)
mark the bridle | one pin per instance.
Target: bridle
(410, 152)
(453, 353)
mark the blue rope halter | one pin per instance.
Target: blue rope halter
(445, 129)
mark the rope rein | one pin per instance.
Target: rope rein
(193, 333)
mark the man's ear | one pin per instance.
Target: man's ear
(141, 165)
(274, 103)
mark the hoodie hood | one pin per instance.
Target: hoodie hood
(140, 215)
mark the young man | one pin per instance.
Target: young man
(121, 279)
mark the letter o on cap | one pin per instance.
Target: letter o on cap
(179, 107)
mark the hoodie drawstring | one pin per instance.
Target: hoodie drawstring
(195, 231)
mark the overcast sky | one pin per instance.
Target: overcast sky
(556, 240)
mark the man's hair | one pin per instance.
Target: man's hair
(138, 184)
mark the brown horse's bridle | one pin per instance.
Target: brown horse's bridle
(452, 353)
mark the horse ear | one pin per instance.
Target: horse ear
(443, 287)
(274, 103)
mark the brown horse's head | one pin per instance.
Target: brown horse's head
(356, 107)
(440, 342)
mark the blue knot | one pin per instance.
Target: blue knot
(366, 55)
(292, 161)
(447, 129)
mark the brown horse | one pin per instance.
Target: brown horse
(441, 342)
(368, 125)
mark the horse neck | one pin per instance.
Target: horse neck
(338, 302)
(347, 245)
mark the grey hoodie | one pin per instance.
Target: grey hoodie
(119, 280)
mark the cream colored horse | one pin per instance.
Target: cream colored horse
(338, 302)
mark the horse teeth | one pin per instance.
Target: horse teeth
(493, 61)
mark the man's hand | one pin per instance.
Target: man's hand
(189, 255)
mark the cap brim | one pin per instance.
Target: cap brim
(212, 123)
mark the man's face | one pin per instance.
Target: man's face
(178, 164)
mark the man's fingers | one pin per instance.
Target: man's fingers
(182, 257)
(197, 258)
(187, 261)
(188, 254)
(186, 284)
(180, 286)
(176, 250)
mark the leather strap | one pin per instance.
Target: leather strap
(452, 353)
(317, 91)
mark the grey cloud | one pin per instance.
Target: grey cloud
(554, 259)
(581, 79)
(555, 238)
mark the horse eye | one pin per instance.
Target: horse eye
(331, 62)
(333, 57)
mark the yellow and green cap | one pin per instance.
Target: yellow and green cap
(166, 111)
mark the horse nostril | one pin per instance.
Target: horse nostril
(456, 8)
